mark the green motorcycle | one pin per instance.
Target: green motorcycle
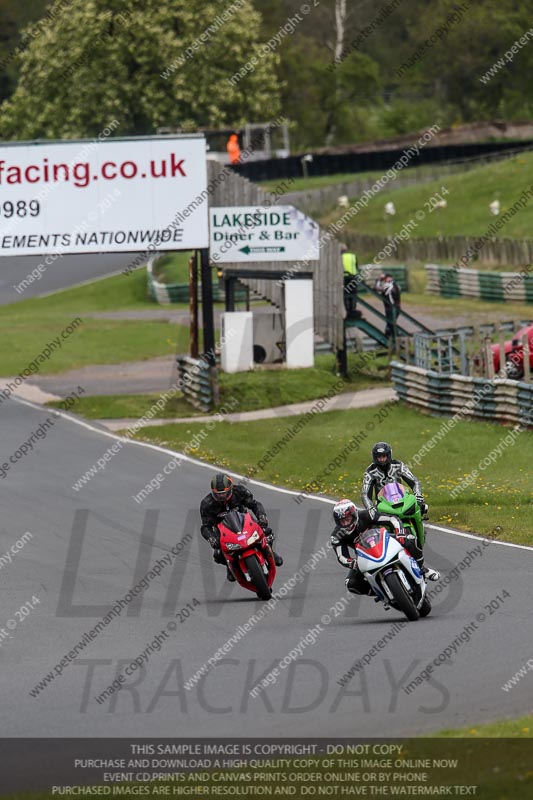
(398, 500)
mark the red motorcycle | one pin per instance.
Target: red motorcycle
(246, 550)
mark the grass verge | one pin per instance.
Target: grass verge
(253, 390)
(174, 267)
(467, 212)
(28, 326)
(502, 495)
(128, 406)
(519, 728)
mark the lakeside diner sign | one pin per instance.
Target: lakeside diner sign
(260, 233)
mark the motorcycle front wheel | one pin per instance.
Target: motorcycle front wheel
(258, 578)
(401, 598)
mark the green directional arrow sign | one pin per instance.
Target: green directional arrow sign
(250, 250)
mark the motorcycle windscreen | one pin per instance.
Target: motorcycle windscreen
(234, 521)
(373, 540)
(393, 493)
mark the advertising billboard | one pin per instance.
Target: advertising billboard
(110, 196)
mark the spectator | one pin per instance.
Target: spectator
(234, 151)
(389, 290)
(349, 267)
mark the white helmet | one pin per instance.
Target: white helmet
(345, 515)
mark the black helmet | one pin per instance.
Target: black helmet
(382, 454)
(345, 515)
(221, 487)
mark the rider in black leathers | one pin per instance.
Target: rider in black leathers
(386, 469)
(351, 522)
(225, 495)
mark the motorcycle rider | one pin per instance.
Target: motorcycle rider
(225, 495)
(350, 523)
(386, 469)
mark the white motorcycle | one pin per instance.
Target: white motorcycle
(393, 574)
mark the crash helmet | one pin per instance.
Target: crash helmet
(345, 515)
(221, 487)
(382, 454)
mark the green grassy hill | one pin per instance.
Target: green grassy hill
(468, 199)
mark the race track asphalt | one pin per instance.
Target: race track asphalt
(89, 547)
(65, 271)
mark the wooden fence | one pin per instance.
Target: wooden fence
(446, 249)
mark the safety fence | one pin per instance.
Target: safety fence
(165, 293)
(195, 381)
(332, 163)
(500, 286)
(496, 400)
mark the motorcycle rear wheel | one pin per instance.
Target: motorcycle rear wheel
(258, 578)
(401, 598)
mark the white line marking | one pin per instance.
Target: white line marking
(212, 467)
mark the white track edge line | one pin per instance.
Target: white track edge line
(269, 486)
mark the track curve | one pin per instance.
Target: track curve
(89, 547)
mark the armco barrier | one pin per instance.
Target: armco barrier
(499, 286)
(497, 400)
(165, 293)
(195, 382)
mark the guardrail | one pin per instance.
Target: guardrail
(195, 382)
(165, 293)
(463, 282)
(496, 400)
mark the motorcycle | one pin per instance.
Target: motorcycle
(392, 573)
(244, 546)
(399, 501)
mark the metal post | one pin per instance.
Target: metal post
(489, 361)
(526, 351)
(193, 305)
(501, 344)
(342, 360)
(207, 308)
(229, 291)
(462, 354)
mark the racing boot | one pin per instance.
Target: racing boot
(429, 573)
(270, 536)
(218, 558)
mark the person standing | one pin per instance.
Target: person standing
(234, 151)
(390, 292)
(349, 268)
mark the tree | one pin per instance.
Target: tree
(471, 38)
(13, 16)
(147, 63)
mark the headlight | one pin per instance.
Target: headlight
(233, 546)
(253, 538)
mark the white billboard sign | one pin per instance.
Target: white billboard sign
(109, 196)
(259, 233)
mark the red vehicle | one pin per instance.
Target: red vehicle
(514, 354)
(245, 548)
